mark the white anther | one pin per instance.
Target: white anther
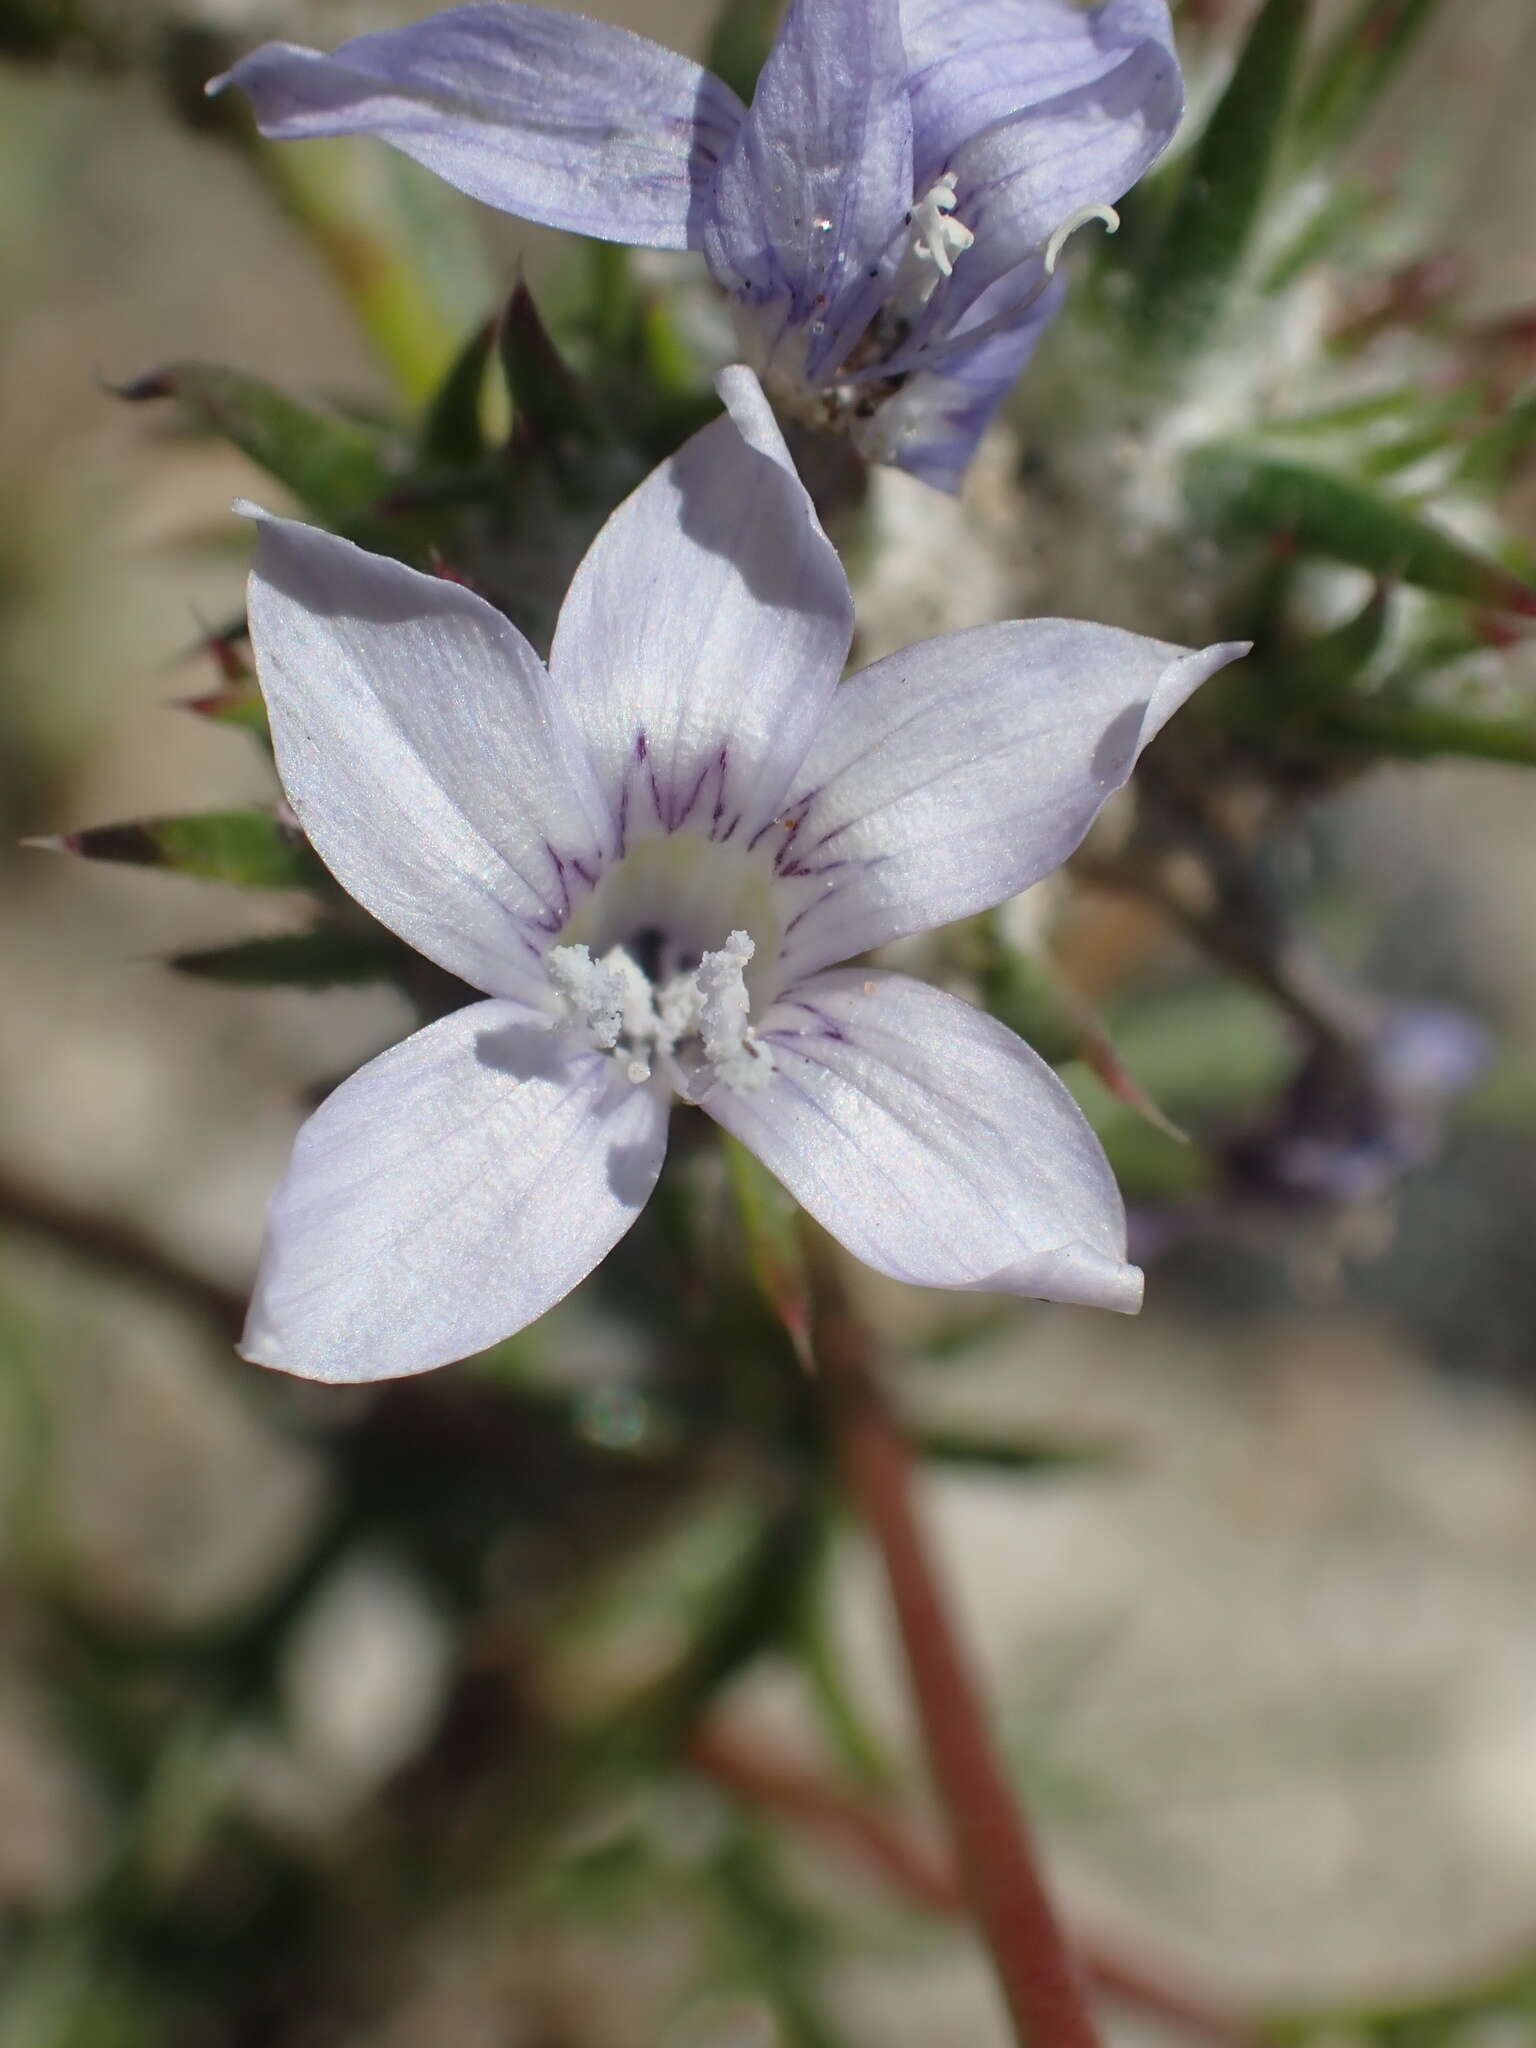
(638, 1001)
(938, 238)
(626, 1015)
(594, 991)
(677, 1008)
(730, 1044)
(1069, 227)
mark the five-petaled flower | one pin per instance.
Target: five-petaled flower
(886, 216)
(652, 855)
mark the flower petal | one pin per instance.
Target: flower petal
(933, 1143)
(1047, 159)
(424, 751)
(447, 1194)
(954, 774)
(993, 61)
(818, 178)
(703, 635)
(543, 114)
(932, 424)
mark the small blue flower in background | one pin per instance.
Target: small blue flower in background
(886, 216)
(1353, 1121)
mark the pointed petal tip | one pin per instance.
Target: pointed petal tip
(263, 1349)
(1198, 664)
(47, 842)
(1079, 1275)
(1190, 668)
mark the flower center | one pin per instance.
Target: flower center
(700, 1016)
(654, 964)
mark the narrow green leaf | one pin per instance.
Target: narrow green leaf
(323, 958)
(1334, 661)
(1021, 992)
(1212, 226)
(769, 1219)
(1323, 512)
(743, 35)
(828, 1672)
(1341, 211)
(613, 310)
(997, 1453)
(452, 431)
(332, 465)
(1381, 420)
(239, 704)
(1491, 456)
(1355, 70)
(252, 848)
(780, 1946)
(548, 403)
(1384, 723)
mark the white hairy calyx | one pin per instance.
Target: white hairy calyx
(703, 1013)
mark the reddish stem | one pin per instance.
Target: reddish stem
(993, 1851)
(783, 1787)
(780, 1787)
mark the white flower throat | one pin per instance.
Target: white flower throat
(655, 964)
(638, 1019)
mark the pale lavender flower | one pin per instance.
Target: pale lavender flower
(886, 217)
(652, 856)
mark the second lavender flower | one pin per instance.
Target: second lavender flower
(886, 217)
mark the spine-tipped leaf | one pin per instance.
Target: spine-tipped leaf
(453, 430)
(1324, 512)
(333, 466)
(549, 406)
(240, 705)
(1355, 69)
(252, 848)
(1211, 229)
(322, 958)
(1388, 724)
(1336, 661)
